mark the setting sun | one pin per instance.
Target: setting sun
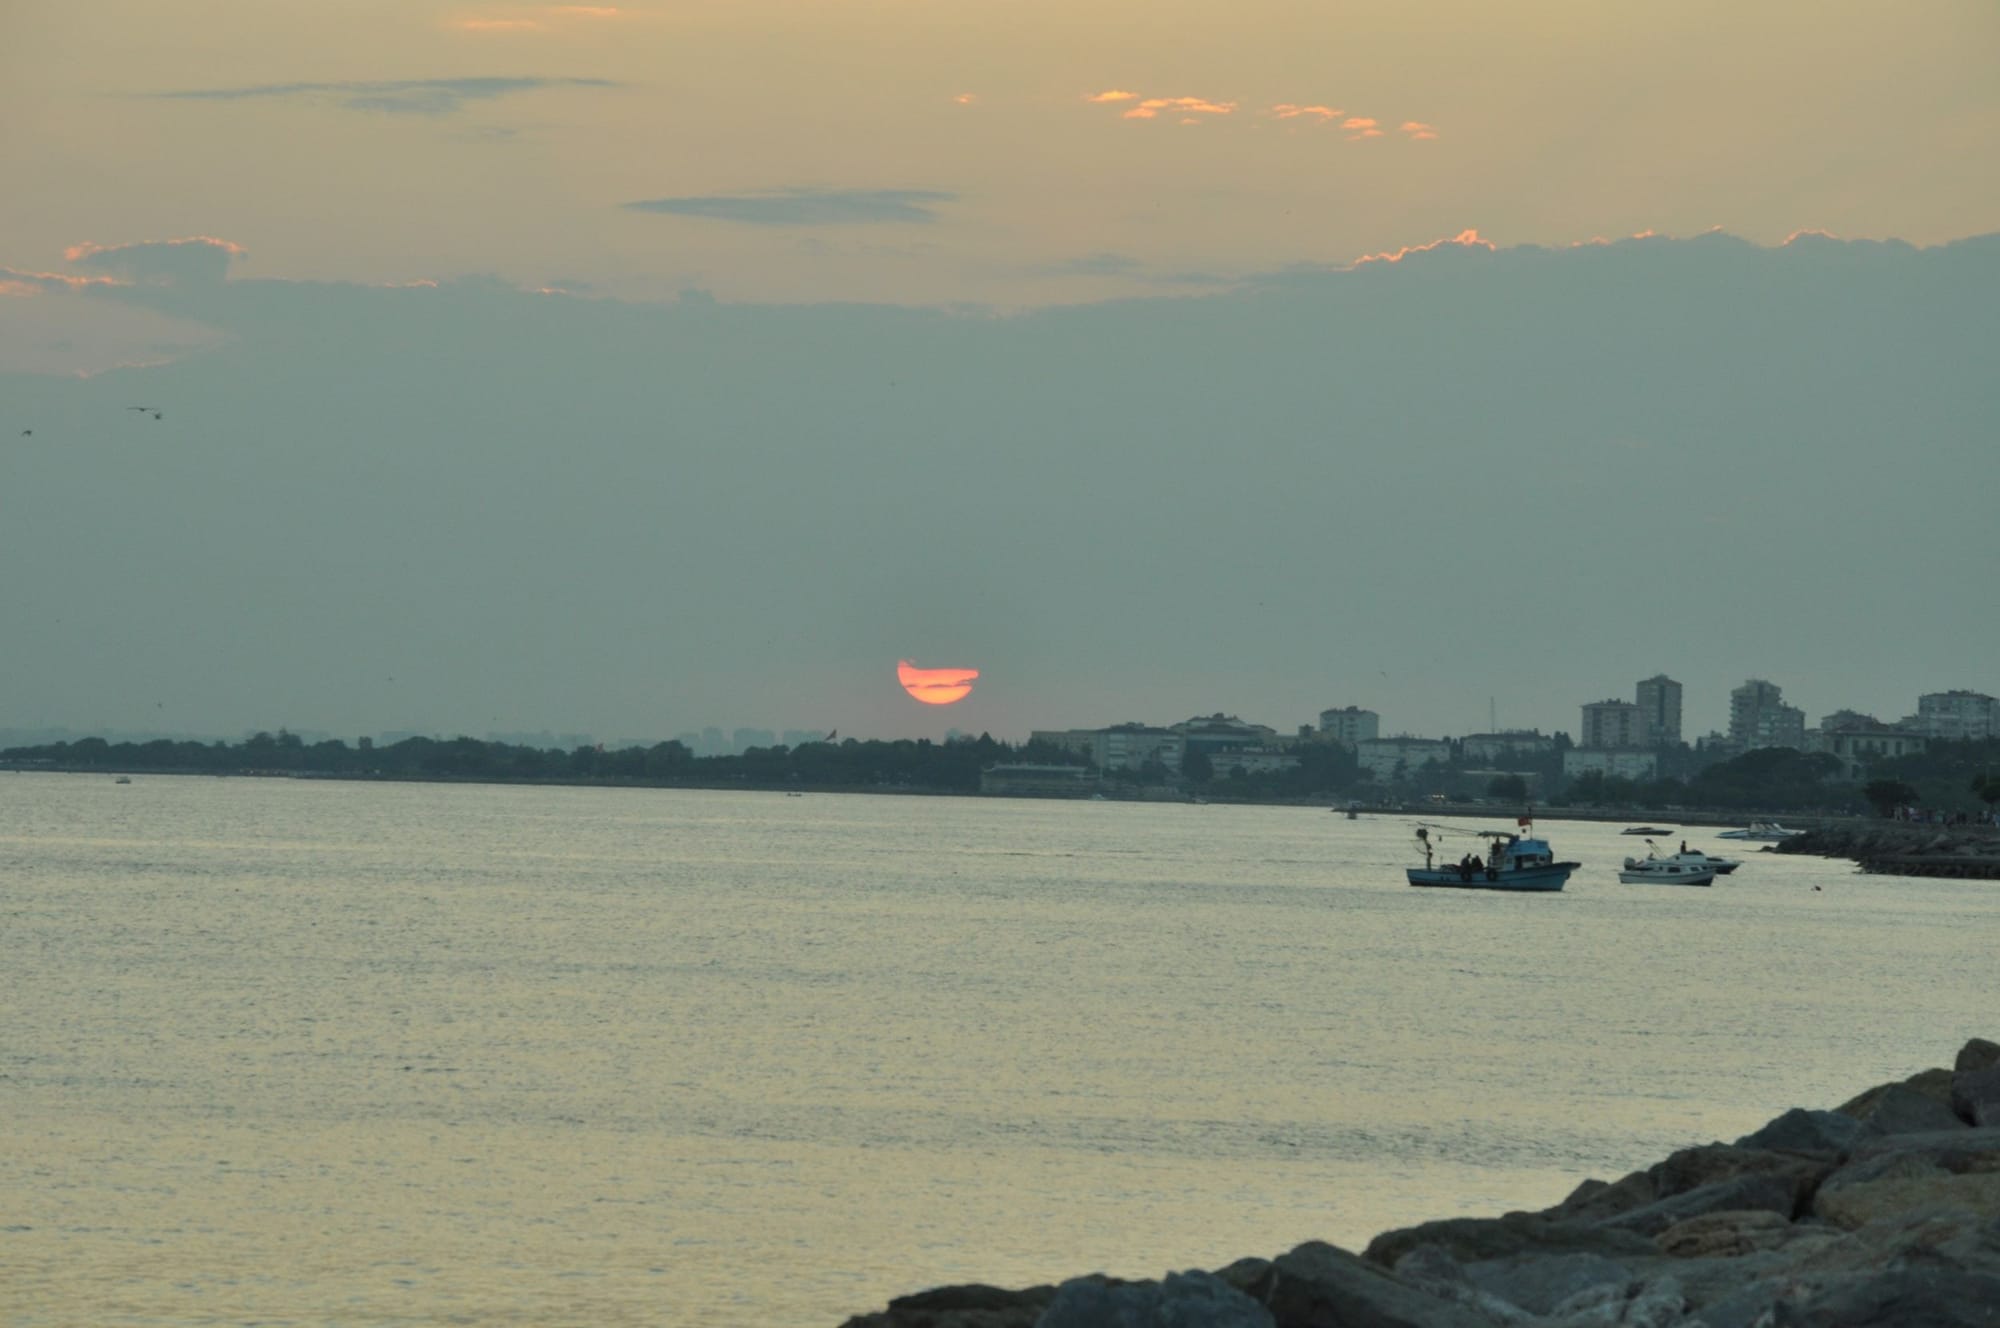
(935, 686)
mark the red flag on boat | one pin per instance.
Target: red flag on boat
(1524, 819)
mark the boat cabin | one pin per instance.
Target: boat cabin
(1516, 853)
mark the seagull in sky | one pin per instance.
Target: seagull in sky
(154, 411)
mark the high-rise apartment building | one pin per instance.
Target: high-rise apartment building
(1609, 724)
(1350, 725)
(1659, 700)
(1759, 717)
(1956, 715)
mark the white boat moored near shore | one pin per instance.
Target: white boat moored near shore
(1766, 831)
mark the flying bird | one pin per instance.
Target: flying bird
(154, 411)
(27, 433)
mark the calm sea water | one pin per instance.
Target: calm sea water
(290, 1052)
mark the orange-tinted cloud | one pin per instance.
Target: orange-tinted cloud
(1418, 129)
(1287, 111)
(1115, 94)
(966, 98)
(935, 686)
(1151, 107)
(1465, 239)
(17, 283)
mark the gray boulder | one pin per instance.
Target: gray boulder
(971, 1306)
(1319, 1286)
(1244, 1273)
(1928, 1083)
(1732, 1233)
(1656, 1303)
(1802, 1131)
(1953, 1168)
(1767, 1193)
(1898, 1298)
(1694, 1168)
(1180, 1300)
(1899, 1109)
(1935, 1236)
(1975, 1096)
(1977, 1054)
(1430, 1270)
(1469, 1239)
(1596, 1199)
(1540, 1283)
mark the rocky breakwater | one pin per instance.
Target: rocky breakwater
(1884, 1211)
(1894, 848)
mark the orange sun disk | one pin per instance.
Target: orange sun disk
(935, 686)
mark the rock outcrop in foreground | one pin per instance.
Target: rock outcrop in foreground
(1884, 1211)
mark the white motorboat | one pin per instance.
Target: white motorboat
(1767, 831)
(1695, 857)
(1666, 871)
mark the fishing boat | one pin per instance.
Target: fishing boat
(1654, 870)
(1511, 862)
(1643, 830)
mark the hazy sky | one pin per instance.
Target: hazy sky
(630, 369)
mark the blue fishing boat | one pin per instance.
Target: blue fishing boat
(1511, 862)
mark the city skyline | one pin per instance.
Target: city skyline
(718, 739)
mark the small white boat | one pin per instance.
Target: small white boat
(1766, 831)
(1666, 871)
(1696, 858)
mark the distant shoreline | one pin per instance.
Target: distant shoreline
(1461, 811)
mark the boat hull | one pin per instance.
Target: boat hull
(1683, 877)
(1538, 879)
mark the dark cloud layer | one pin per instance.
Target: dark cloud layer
(806, 207)
(1522, 477)
(199, 258)
(410, 96)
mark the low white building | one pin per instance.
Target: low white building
(1119, 747)
(1252, 761)
(1859, 747)
(1389, 759)
(1500, 747)
(1027, 779)
(1611, 762)
(1217, 733)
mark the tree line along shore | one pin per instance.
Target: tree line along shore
(1951, 779)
